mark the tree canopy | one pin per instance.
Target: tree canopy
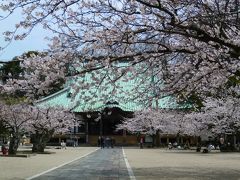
(190, 48)
(194, 44)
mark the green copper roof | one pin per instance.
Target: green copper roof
(58, 99)
(128, 93)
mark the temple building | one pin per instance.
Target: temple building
(101, 100)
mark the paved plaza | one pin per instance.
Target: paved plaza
(94, 163)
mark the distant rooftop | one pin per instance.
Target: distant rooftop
(130, 93)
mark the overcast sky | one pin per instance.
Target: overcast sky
(35, 41)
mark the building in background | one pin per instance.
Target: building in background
(103, 103)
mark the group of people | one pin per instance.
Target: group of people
(105, 142)
(175, 145)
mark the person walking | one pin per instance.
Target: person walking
(112, 142)
(141, 142)
(102, 142)
(170, 145)
(107, 142)
(63, 145)
(99, 141)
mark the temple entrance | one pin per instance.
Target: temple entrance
(104, 123)
(95, 124)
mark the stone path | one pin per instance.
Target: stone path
(104, 164)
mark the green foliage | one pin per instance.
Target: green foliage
(30, 53)
(233, 80)
(12, 69)
(3, 129)
(194, 99)
(10, 99)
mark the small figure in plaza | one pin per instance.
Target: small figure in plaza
(4, 149)
(210, 147)
(99, 141)
(63, 145)
(175, 144)
(238, 146)
(221, 140)
(102, 142)
(141, 142)
(108, 141)
(112, 142)
(228, 144)
(75, 142)
(170, 145)
(187, 145)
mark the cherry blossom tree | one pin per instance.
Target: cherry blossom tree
(17, 119)
(222, 115)
(144, 122)
(155, 121)
(188, 47)
(42, 75)
(216, 118)
(168, 121)
(41, 123)
(193, 124)
(193, 45)
(48, 122)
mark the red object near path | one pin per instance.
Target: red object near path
(4, 150)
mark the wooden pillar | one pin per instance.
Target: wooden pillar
(181, 140)
(167, 140)
(124, 136)
(86, 131)
(234, 141)
(157, 139)
(160, 140)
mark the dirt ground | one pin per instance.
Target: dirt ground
(16, 168)
(183, 165)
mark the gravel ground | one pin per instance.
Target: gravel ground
(183, 165)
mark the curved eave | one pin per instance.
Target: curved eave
(52, 95)
(100, 107)
(59, 99)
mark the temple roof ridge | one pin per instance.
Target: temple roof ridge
(52, 95)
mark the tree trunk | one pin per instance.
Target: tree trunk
(153, 140)
(199, 144)
(157, 139)
(178, 138)
(38, 147)
(14, 144)
(40, 140)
